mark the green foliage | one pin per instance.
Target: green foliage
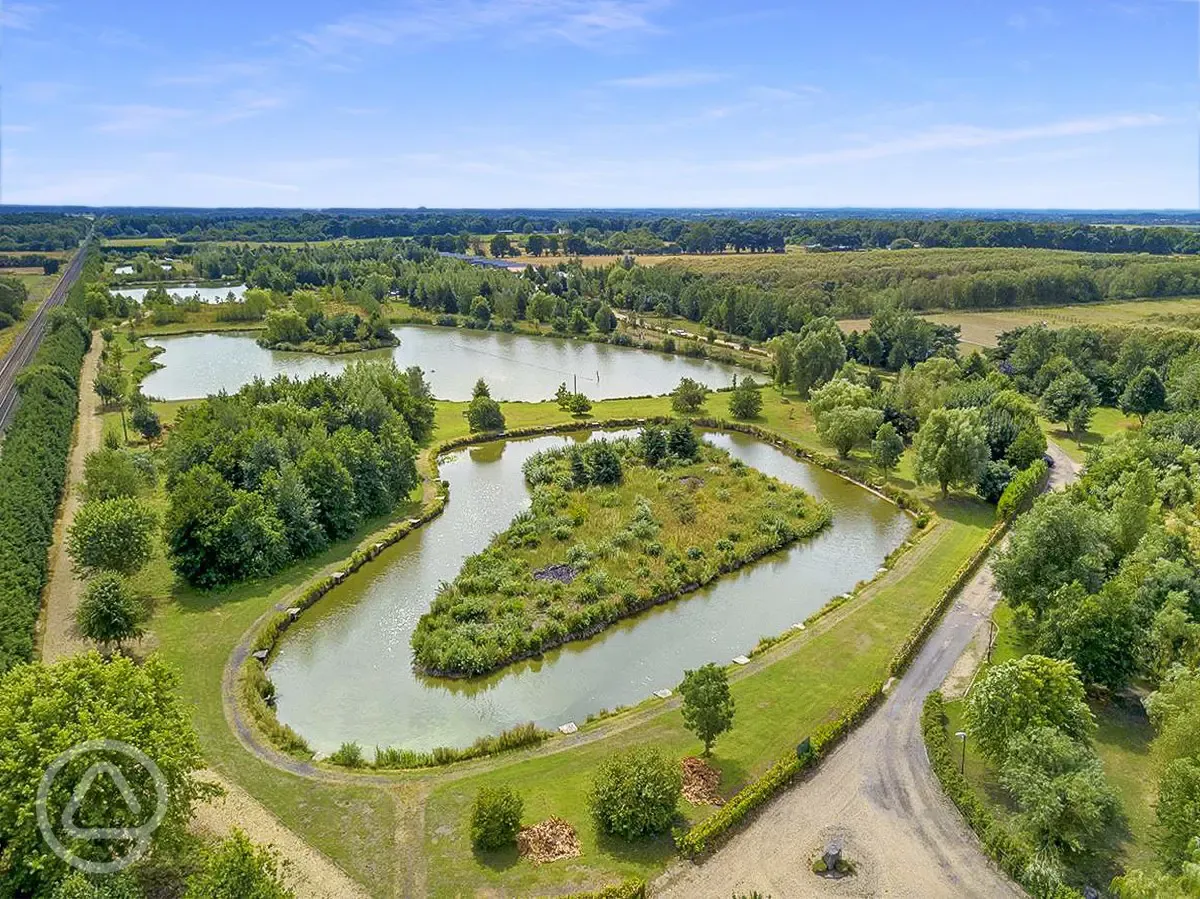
(144, 418)
(635, 793)
(483, 414)
(1059, 785)
(1027, 448)
(47, 709)
(274, 472)
(237, 867)
(845, 427)
(688, 396)
(1070, 398)
(1058, 541)
(746, 402)
(118, 886)
(33, 471)
(994, 479)
(1098, 632)
(1178, 810)
(708, 705)
(682, 441)
(1021, 490)
(348, 755)
(112, 535)
(1012, 853)
(1153, 885)
(652, 444)
(1144, 394)
(110, 612)
(496, 817)
(1019, 695)
(887, 447)
(951, 448)
(110, 474)
(819, 354)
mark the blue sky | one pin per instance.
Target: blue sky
(489, 103)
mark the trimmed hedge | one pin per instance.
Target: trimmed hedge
(1012, 854)
(33, 470)
(628, 889)
(1021, 491)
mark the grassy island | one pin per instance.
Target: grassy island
(615, 526)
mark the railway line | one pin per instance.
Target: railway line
(30, 339)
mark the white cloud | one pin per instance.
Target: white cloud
(215, 73)
(20, 16)
(954, 137)
(667, 80)
(581, 22)
(137, 118)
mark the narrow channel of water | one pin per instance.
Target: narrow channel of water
(343, 672)
(516, 366)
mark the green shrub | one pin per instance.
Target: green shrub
(636, 793)
(496, 817)
(348, 755)
(110, 612)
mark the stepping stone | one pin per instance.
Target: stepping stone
(261, 655)
(338, 576)
(798, 627)
(294, 612)
(888, 685)
(414, 521)
(663, 694)
(741, 660)
(569, 728)
(880, 570)
(847, 596)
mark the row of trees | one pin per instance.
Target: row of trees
(278, 470)
(1106, 578)
(13, 296)
(617, 232)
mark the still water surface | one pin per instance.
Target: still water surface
(516, 366)
(343, 672)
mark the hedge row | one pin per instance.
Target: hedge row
(1010, 853)
(1022, 490)
(710, 832)
(33, 472)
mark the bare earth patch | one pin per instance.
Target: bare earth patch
(549, 841)
(700, 781)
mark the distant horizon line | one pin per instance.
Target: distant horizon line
(1166, 210)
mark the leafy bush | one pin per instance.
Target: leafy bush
(483, 414)
(109, 474)
(110, 612)
(112, 535)
(496, 817)
(237, 867)
(636, 793)
(348, 755)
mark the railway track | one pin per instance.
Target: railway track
(30, 339)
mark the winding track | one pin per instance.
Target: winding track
(876, 791)
(30, 339)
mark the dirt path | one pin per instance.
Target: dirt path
(877, 792)
(309, 873)
(57, 635)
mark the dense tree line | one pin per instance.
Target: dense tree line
(648, 232)
(41, 231)
(276, 471)
(33, 471)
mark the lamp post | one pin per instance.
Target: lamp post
(962, 765)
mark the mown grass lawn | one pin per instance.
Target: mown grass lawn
(1106, 421)
(375, 831)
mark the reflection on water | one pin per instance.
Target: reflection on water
(517, 367)
(344, 671)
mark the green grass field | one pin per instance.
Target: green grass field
(1105, 422)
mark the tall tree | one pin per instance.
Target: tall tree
(951, 448)
(708, 705)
